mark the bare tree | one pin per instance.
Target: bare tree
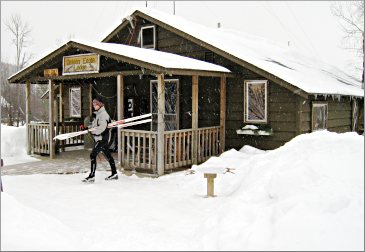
(351, 15)
(7, 93)
(21, 39)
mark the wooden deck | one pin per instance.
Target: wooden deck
(138, 151)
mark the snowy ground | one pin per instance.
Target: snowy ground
(306, 195)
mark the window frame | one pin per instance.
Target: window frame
(319, 104)
(355, 115)
(247, 83)
(154, 37)
(71, 102)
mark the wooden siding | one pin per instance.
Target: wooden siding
(288, 114)
(208, 103)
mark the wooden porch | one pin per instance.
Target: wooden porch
(155, 151)
(138, 149)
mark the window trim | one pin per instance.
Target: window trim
(319, 104)
(71, 103)
(246, 100)
(154, 36)
(355, 115)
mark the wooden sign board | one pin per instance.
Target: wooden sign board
(81, 64)
(50, 72)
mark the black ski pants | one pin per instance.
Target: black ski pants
(101, 145)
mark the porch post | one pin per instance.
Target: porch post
(223, 114)
(60, 113)
(120, 108)
(27, 115)
(160, 124)
(60, 108)
(56, 116)
(51, 118)
(194, 115)
(90, 99)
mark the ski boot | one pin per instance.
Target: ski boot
(113, 176)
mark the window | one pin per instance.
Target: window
(75, 102)
(171, 104)
(148, 37)
(255, 101)
(319, 115)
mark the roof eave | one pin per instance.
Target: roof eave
(21, 75)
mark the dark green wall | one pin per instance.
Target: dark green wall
(288, 113)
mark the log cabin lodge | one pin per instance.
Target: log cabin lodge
(208, 89)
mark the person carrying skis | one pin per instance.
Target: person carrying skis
(100, 132)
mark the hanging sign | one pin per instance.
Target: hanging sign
(50, 72)
(81, 64)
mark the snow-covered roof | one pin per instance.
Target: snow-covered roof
(163, 59)
(308, 74)
(169, 61)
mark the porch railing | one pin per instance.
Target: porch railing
(68, 127)
(208, 143)
(178, 148)
(139, 148)
(38, 136)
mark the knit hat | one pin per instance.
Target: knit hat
(98, 101)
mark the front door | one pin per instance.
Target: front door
(171, 104)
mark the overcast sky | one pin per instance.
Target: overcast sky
(306, 25)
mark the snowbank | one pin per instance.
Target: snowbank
(306, 195)
(14, 146)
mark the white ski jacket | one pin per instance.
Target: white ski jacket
(100, 124)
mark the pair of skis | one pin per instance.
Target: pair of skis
(120, 124)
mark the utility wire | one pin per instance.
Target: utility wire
(268, 9)
(306, 35)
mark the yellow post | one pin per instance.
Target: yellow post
(210, 183)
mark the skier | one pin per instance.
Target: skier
(100, 133)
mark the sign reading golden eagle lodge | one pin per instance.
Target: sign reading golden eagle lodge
(81, 64)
